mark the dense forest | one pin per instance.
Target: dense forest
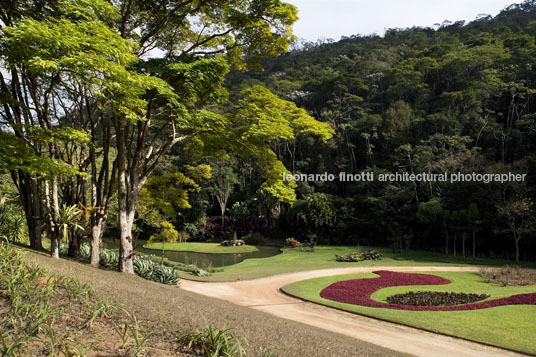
(100, 140)
(457, 98)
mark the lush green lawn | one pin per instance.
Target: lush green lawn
(202, 247)
(294, 260)
(512, 327)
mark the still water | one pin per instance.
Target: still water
(208, 259)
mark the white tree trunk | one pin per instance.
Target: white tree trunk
(95, 244)
(55, 239)
(126, 251)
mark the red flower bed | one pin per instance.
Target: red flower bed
(358, 291)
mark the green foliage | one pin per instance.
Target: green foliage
(255, 238)
(358, 256)
(429, 212)
(433, 298)
(69, 218)
(15, 155)
(456, 99)
(164, 195)
(164, 275)
(13, 223)
(109, 259)
(316, 210)
(217, 342)
(36, 302)
(143, 267)
(167, 234)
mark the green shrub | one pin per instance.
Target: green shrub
(349, 257)
(291, 242)
(143, 268)
(64, 249)
(508, 276)
(358, 256)
(109, 259)
(85, 251)
(167, 234)
(36, 302)
(255, 238)
(434, 298)
(217, 342)
(13, 224)
(164, 275)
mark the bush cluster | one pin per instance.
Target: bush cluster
(434, 298)
(358, 256)
(508, 276)
(143, 267)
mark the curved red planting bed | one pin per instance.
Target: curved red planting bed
(358, 291)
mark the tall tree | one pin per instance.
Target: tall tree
(222, 182)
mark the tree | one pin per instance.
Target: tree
(316, 212)
(222, 182)
(520, 219)
(64, 64)
(473, 218)
(165, 194)
(76, 48)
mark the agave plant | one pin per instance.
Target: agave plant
(164, 275)
(13, 223)
(85, 251)
(143, 267)
(109, 259)
(69, 217)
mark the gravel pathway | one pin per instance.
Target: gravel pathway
(264, 294)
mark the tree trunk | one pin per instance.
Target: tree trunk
(463, 245)
(223, 205)
(55, 234)
(95, 245)
(474, 243)
(126, 253)
(455, 237)
(31, 201)
(54, 246)
(517, 249)
(74, 242)
(446, 243)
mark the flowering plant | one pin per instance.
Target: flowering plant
(358, 292)
(292, 242)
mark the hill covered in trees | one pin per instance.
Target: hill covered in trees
(458, 98)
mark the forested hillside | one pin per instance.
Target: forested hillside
(460, 97)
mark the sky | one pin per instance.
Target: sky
(336, 18)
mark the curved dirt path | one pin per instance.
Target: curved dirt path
(264, 294)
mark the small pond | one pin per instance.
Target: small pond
(211, 259)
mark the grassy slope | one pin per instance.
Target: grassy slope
(293, 260)
(177, 312)
(202, 247)
(512, 327)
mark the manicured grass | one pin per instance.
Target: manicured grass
(512, 327)
(294, 260)
(202, 247)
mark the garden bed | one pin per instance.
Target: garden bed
(358, 292)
